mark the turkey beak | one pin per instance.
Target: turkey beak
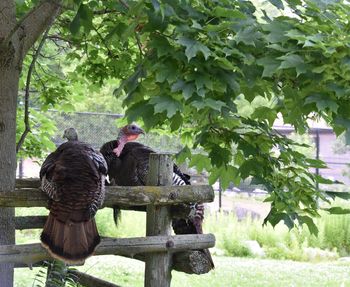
(64, 135)
(141, 131)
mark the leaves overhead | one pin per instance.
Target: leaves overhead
(189, 65)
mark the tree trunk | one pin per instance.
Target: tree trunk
(16, 38)
(9, 76)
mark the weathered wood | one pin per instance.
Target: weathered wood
(158, 266)
(30, 222)
(129, 247)
(88, 280)
(119, 195)
(192, 262)
(27, 183)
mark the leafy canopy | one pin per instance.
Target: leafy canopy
(187, 65)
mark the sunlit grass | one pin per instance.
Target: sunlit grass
(229, 272)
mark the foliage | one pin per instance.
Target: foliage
(279, 242)
(186, 65)
(39, 140)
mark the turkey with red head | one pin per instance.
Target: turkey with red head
(73, 177)
(128, 165)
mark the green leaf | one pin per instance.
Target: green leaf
(209, 103)
(316, 163)
(219, 156)
(229, 174)
(166, 104)
(214, 174)
(228, 13)
(176, 122)
(310, 224)
(342, 195)
(270, 66)
(248, 36)
(193, 47)
(323, 103)
(201, 162)
(265, 113)
(274, 218)
(337, 210)
(86, 16)
(293, 61)
(188, 90)
(226, 64)
(183, 154)
(277, 3)
(75, 24)
(161, 44)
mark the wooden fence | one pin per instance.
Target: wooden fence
(161, 251)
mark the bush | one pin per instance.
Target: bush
(279, 242)
(235, 247)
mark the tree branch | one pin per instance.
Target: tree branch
(37, 21)
(27, 91)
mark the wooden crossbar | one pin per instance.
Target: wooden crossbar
(119, 195)
(129, 247)
(162, 202)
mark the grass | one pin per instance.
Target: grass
(230, 271)
(278, 243)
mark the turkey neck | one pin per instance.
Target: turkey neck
(121, 141)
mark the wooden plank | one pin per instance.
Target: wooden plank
(28, 183)
(190, 262)
(129, 247)
(158, 266)
(119, 195)
(30, 222)
(89, 281)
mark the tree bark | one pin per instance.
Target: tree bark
(16, 38)
(9, 75)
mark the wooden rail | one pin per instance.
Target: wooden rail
(159, 250)
(119, 195)
(31, 253)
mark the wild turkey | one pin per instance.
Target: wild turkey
(128, 165)
(73, 177)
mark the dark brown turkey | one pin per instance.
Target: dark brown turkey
(128, 165)
(73, 177)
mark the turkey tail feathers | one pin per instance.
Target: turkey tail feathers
(71, 242)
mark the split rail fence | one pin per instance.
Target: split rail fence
(160, 251)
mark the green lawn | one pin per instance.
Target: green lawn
(230, 271)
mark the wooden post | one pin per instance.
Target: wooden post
(158, 265)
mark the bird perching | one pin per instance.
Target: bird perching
(128, 165)
(73, 177)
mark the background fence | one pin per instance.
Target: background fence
(98, 128)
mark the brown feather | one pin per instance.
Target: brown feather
(76, 172)
(70, 242)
